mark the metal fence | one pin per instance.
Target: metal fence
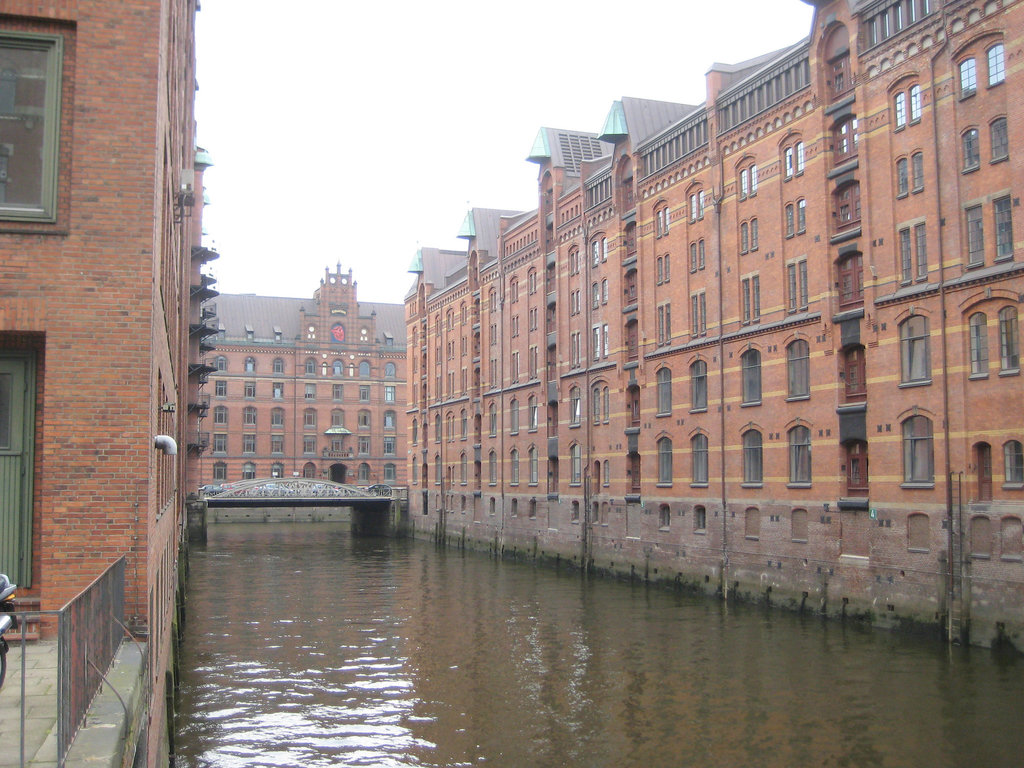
(90, 628)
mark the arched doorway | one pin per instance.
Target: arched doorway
(338, 473)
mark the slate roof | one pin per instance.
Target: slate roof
(642, 118)
(236, 313)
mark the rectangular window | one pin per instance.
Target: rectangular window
(906, 257)
(917, 171)
(336, 392)
(277, 443)
(1004, 228)
(250, 389)
(975, 237)
(220, 443)
(364, 393)
(921, 250)
(389, 394)
(220, 388)
(248, 443)
(29, 98)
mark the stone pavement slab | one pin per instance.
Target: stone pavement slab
(40, 697)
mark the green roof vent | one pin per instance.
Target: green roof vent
(541, 151)
(468, 229)
(615, 124)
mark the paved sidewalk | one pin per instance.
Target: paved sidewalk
(40, 706)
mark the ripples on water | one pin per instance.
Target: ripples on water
(305, 647)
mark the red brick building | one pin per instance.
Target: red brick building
(305, 387)
(99, 247)
(768, 344)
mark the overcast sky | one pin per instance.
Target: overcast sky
(358, 132)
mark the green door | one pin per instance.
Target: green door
(17, 422)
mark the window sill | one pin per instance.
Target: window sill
(901, 195)
(751, 404)
(924, 486)
(798, 485)
(799, 541)
(751, 485)
(796, 398)
(912, 384)
(918, 550)
(700, 531)
(1011, 558)
(970, 169)
(752, 538)
(663, 485)
(699, 410)
(996, 160)
(698, 485)
(1013, 486)
(975, 556)
(662, 414)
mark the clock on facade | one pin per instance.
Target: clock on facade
(338, 332)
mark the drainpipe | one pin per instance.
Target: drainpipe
(586, 534)
(950, 583)
(716, 202)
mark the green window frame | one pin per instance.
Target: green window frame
(17, 464)
(30, 97)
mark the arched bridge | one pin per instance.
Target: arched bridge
(376, 510)
(299, 492)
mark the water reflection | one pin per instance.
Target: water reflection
(305, 647)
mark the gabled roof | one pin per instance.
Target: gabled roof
(483, 225)
(641, 118)
(435, 266)
(737, 74)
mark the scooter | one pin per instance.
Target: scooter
(8, 620)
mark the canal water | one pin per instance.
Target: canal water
(307, 647)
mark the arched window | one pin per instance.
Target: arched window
(364, 370)
(664, 378)
(337, 368)
(799, 454)
(337, 418)
(513, 459)
(698, 386)
(999, 139)
(664, 516)
(752, 523)
(751, 365)
(575, 464)
(1009, 344)
(310, 366)
(917, 532)
(513, 416)
(665, 461)
(390, 475)
(574, 405)
(248, 471)
(220, 470)
(533, 464)
(918, 457)
(854, 373)
(463, 424)
(220, 363)
(309, 469)
(971, 144)
(978, 325)
(798, 368)
(492, 418)
(389, 370)
(699, 457)
(753, 461)
(220, 415)
(415, 431)
(278, 365)
(277, 469)
(364, 472)
(915, 365)
(365, 420)
(250, 365)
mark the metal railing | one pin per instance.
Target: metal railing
(90, 633)
(90, 628)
